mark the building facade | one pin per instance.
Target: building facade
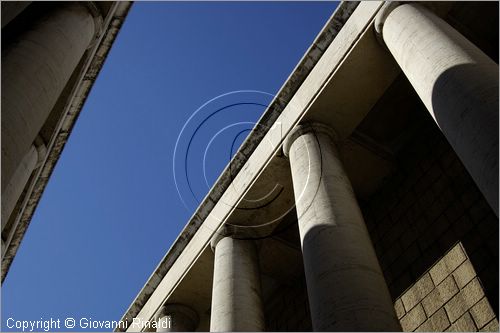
(366, 199)
(52, 53)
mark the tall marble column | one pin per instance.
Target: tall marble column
(176, 318)
(236, 298)
(345, 284)
(456, 81)
(35, 68)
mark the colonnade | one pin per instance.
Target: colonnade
(458, 84)
(456, 81)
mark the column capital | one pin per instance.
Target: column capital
(382, 15)
(242, 233)
(305, 128)
(182, 316)
(388, 7)
(224, 231)
(97, 15)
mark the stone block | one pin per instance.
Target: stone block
(413, 319)
(479, 210)
(464, 300)
(439, 185)
(455, 257)
(414, 212)
(399, 267)
(436, 209)
(417, 292)
(438, 322)
(462, 225)
(448, 197)
(439, 271)
(399, 308)
(482, 313)
(448, 264)
(469, 197)
(411, 254)
(464, 274)
(391, 255)
(408, 237)
(439, 296)
(422, 223)
(427, 198)
(492, 326)
(396, 213)
(473, 291)
(463, 324)
(424, 242)
(394, 233)
(454, 211)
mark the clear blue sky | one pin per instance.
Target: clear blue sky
(111, 209)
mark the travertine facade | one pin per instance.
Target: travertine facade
(383, 143)
(385, 140)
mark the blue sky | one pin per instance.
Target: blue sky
(111, 209)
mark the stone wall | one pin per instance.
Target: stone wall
(288, 308)
(448, 297)
(427, 207)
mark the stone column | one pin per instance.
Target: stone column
(236, 299)
(456, 81)
(176, 318)
(35, 68)
(345, 285)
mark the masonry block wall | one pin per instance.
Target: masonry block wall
(448, 297)
(288, 308)
(427, 207)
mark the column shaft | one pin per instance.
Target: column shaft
(346, 287)
(35, 69)
(236, 299)
(458, 84)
